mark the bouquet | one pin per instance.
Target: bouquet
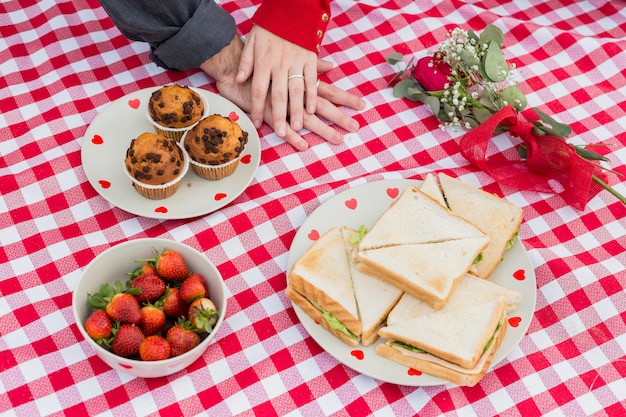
(467, 83)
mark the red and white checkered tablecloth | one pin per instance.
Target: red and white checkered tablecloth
(63, 62)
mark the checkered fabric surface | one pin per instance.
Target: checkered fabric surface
(62, 63)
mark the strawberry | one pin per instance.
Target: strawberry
(144, 269)
(173, 305)
(203, 315)
(99, 326)
(124, 308)
(182, 339)
(170, 265)
(194, 286)
(126, 340)
(152, 287)
(120, 305)
(152, 319)
(154, 348)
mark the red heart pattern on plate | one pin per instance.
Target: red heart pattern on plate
(97, 140)
(519, 275)
(313, 235)
(392, 192)
(219, 196)
(357, 353)
(515, 321)
(233, 116)
(246, 159)
(160, 209)
(134, 103)
(351, 203)
(413, 372)
(104, 184)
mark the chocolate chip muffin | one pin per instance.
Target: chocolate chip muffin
(156, 165)
(173, 109)
(214, 146)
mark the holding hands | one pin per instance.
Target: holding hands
(258, 94)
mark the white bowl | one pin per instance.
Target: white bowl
(112, 265)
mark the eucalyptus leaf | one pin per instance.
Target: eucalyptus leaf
(481, 114)
(514, 96)
(488, 103)
(401, 88)
(490, 34)
(494, 64)
(394, 57)
(432, 102)
(472, 35)
(469, 59)
(472, 122)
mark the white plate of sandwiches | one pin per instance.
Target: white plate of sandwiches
(387, 278)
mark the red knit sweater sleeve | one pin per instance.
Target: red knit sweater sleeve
(302, 22)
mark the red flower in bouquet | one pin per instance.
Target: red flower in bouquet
(433, 73)
(467, 83)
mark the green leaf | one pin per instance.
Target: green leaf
(522, 151)
(432, 102)
(481, 114)
(492, 33)
(494, 64)
(514, 96)
(401, 89)
(472, 35)
(562, 130)
(394, 57)
(590, 155)
(469, 59)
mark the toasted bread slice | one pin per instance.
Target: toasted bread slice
(429, 271)
(456, 342)
(442, 369)
(322, 276)
(496, 217)
(430, 187)
(415, 218)
(375, 297)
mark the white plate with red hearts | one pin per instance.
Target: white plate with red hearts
(361, 205)
(104, 148)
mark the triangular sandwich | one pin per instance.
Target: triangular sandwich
(321, 285)
(496, 217)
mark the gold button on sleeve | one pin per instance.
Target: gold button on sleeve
(319, 34)
(325, 17)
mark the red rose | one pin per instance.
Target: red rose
(432, 73)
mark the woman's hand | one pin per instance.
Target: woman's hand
(284, 71)
(223, 68)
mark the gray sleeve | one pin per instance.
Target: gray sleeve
(182, 34)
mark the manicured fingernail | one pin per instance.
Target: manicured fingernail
(257, 123)
(280, 131)
(241, 75)
(302, 145)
